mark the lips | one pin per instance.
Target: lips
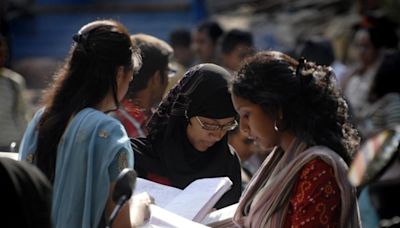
(208, 144)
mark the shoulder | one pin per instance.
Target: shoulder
(93, 117)
(316, 179)
(315, 199)
(90, 122)
(13, 76)
(315, 168)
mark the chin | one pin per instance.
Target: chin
(266, 147)
(202, 148)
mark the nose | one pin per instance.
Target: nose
(217, 135)
(244, 126)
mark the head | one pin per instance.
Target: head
(319, 50)
(236, 45)
(366, 50)
(276, 96)
(3, 51)
(96, 74)
(26, 195)
(385, 77)
(101, 64)
(376, 33)
(153, 74)
(205, 41)
(180, 40)
(200, 105)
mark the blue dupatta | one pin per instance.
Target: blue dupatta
(85, 153)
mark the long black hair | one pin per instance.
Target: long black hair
(306, 94)
(85, 80)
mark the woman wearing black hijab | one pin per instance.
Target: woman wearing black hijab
(25, 195)
(187, 135)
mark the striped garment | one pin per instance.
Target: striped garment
(381, 115)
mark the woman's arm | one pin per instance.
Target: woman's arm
(123, 218)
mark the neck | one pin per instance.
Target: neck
(286, 139)
(106, 104)
(143, 100)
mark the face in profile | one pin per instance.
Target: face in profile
(234, 59)
(204, 132)
(364, 47)
(244, 146)
(124, 77)
(158, 85)
(203, 46)
(256, 123)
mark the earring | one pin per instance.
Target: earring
(276, 127)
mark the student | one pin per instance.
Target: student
(148, 85)
(72, 140)
(187, 134)
(296, 108)
(180, 40)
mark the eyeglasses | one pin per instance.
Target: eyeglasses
(215, 127)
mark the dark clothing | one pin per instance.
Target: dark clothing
(167, 156)
(25, 195)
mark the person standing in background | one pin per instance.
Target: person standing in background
(319, 49)
(180, 40)
(148, 85)
(205, 42)
(12, 110)
(236, 45)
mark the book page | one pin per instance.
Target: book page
(11, 155)
(163, 218)
(162, 194)
(197, 199)
(221, 216)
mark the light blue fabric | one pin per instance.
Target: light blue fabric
(369, 216)
(85, 153)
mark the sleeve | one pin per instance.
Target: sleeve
(120, 162)
(315, 200)
(233, 195)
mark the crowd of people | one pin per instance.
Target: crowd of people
(205, 103)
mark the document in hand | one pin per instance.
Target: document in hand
(193, 203)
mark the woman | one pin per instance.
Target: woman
(72, 140)
(187, 134)
(295, 108)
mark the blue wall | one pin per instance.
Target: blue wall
(50, 34)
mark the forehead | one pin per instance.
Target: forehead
(217, 121)
(201, 35)
(240, 102)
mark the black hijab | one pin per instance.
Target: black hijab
(25, 195)
(203, 91)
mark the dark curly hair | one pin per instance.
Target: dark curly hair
(311, 105)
